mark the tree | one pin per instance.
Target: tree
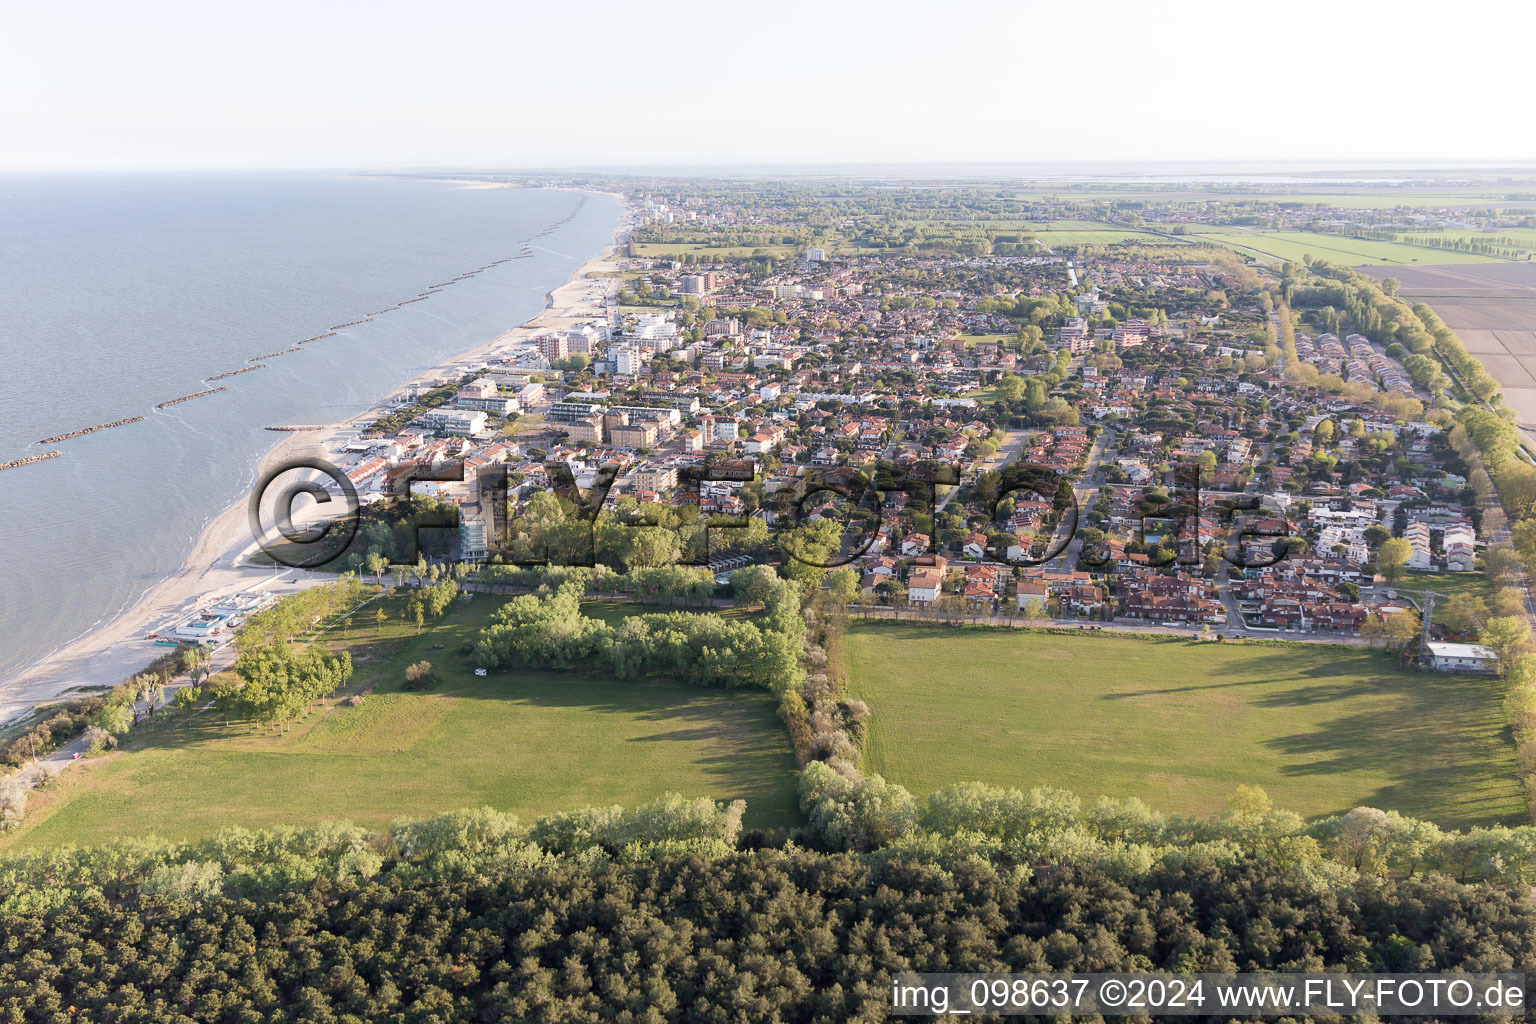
(1401, 630)
(1250, 801)
(1010, 387)
(1508, 636)
(376, 564)
(196, 660)
(116, 719)
(1392, 558)
(1465, 613)
(753, 584)
(420, 676)
(153, 691)
(1501, 560)
(1507, 601)
(1524, 538)
(843, 585)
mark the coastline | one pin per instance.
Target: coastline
(105, 654)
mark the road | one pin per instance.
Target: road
(1012, 447)
(1117, 626)
(1084, 490)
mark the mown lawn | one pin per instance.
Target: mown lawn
(1180, 723)
(532, 743)
(1446, 584)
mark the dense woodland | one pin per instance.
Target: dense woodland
(669, 913)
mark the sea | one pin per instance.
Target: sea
(118, 292)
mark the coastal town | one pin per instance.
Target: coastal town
(1145, 434)
(977, 516)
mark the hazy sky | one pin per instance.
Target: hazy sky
(203, 83)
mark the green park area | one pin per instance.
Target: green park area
(1180, 723)
(530, 742)
(1088, 232)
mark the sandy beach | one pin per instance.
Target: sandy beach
(219, 563)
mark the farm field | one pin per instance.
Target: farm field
(530, 742)
(1377, 199)
(1293, 245)
(1525, 237)
(1179, 723)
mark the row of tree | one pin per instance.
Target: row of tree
(1127, 838)
(548, 629)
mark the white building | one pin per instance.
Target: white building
(1417, 535)
(1460, 548)
(626, 361)
(925, 585)
(650, 326)
(454, 421)
(1462, 658)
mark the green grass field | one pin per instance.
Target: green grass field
(531, 743)
(1088, 232)
(1279, 246)
(1446, 584)
(1180, 723)
(1477, 584)
(1384, 198)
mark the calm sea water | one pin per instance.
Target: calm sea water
(120, 292)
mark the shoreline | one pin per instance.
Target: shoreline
(104, 655)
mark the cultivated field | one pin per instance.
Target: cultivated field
(532, 743)
(1293, 245)
(1180, 723)
(1493, 309)
(1521, 237)
(1375, 199)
